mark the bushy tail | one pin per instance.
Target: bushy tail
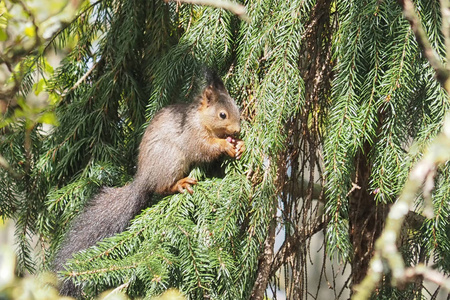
(107, 214)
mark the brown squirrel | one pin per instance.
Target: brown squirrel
(178, 137)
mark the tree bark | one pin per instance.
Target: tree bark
(265, 263)
(366, 217)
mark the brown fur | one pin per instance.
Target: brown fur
(184, 134)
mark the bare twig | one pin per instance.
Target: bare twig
(290, 246)
(442, 73)
(235, 8)
(117, 290)
(429, 275)
(445, 11)
(5, 165)
(354, 187)
(37, 40)
(83, 78)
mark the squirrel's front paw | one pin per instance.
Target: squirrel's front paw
(228, 147)
(238, 147)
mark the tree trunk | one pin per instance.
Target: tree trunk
(366, 218)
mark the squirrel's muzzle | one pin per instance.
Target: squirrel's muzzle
(235, 130)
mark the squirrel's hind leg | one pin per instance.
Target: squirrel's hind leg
(182, 185)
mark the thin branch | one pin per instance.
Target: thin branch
(5, 165)
(83, 78)
(37, 40)
(117, 290)
(442, 73)
(429, 275)
(56, 34)
(445, 11)
(237, 9)
(290, 247)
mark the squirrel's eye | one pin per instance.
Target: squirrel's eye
(222, 115)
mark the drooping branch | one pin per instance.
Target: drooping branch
(419, 178)
(386, 248)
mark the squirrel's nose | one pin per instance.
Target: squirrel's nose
(236, 130)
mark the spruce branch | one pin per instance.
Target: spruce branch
(115, 246)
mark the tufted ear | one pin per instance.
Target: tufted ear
(209, 96)
(214, 80)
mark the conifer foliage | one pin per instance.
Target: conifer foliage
(338, 103)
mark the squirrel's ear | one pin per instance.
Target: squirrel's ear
(208, 96)
(213, 80)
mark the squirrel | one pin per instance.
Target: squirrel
(178, 137)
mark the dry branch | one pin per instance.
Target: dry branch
(235, 8)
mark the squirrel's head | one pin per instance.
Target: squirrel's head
(219, 113)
